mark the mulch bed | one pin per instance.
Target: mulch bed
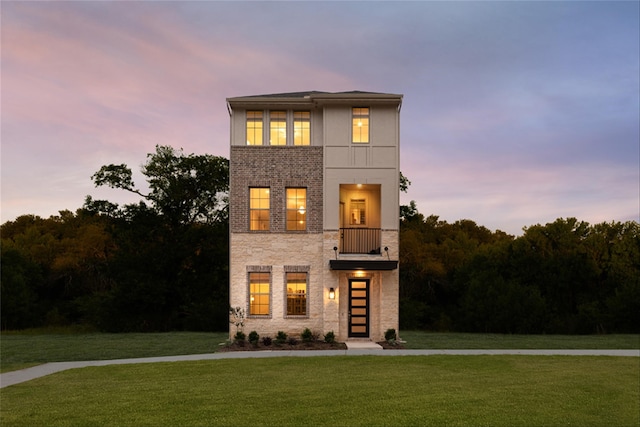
(300, 345)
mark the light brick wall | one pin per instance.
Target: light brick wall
(278, 250)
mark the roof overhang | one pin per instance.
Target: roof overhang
(312, 99)
(352, 264)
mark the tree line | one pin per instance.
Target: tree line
(162, 264)
(565, 277)
(158, 265)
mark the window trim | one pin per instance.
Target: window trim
(274, 117)
(302, 120)
(363, 214)
(259, 269)
(296, 210)
(251, 210)
(254, 120)
(296, 269)
(357, 113)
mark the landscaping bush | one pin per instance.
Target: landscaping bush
(390, 335)
(281, 337)
(307, 335)
(239, 338)
(330, 337)
(292, 341)
(266, 341)
(254, 338)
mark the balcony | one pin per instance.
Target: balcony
(360, 241)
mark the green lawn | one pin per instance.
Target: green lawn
(22, 349)
(426, 340)
(338, 390)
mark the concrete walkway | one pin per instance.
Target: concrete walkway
(359, 349)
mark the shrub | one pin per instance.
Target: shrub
(239, 338)
(281, 337)
(330, 337)
(266, 341)
(307, 335)
(292, 341)
(254, 337)
(390, 335)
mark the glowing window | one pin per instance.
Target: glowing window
(301, 128)
(254, 127)
(360, 128)
(259, 209)
(259, 295)
(297, 294)
(296, 209)
(278, 128)
(358, 213)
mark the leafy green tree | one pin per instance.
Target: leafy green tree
(178, 278)
(183, 188)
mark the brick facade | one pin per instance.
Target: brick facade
(277, 168)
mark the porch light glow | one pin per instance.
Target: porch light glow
(332, 293)
(301, 210)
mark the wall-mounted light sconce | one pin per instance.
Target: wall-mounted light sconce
(335, 249)
(386, 249)
(332, 293)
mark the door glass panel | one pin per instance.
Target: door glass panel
(359, 308)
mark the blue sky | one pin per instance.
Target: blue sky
(514, 113)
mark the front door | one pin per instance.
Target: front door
(359, 308)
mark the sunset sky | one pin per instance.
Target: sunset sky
(514, 113)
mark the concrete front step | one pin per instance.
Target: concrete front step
(359, 345)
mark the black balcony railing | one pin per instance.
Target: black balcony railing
(359, 240)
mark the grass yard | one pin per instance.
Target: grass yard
(451, 341)
(22, 349)
(339, 390)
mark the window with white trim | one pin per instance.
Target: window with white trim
(278, 128)
(254, 127)
(360, 125)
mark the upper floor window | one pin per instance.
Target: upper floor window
(296, 209)
(254, 127)
(360, 125)
(278, 128)
(296, 294)
(358, 212)
(259, 209)
(259, 294)
(301, 128)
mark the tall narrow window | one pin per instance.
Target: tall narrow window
(360, 128)
(259, 295)
(301, 128)
(296, 209)
(259, 209)
(278, 128)
(254, 127)
(296, 294)
(358, 213)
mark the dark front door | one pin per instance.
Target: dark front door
(359, 308)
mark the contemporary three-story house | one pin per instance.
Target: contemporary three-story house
(314, 212)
